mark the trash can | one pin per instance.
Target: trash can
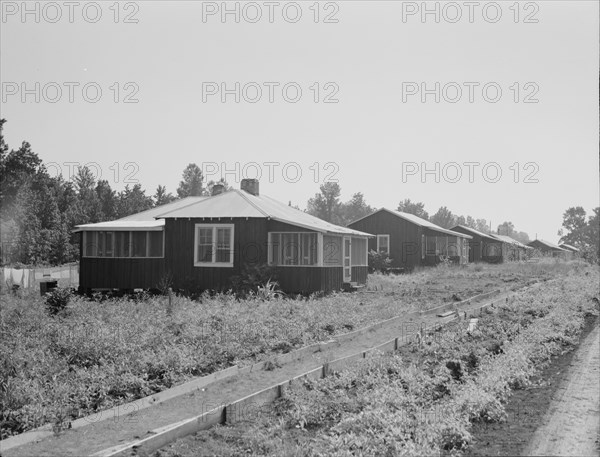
(47, 286)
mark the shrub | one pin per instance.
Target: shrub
(254, 278)
(379, 261)
(58, 299)
(270, 290)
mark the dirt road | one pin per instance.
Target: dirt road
(572, 423)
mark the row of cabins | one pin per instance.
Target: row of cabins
(202, 243)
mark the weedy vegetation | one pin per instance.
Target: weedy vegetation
(65, 356)
(424, 398)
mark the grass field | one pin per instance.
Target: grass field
(98, 354)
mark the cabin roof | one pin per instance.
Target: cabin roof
(150, 215)
(417, 221)
(476, 232)
(121, 225)
(550, 245)
(568, 247)
(241, 204)
(145, 220)
(508, 239)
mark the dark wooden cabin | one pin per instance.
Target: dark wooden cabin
(548, 249)
(483, 247)
(200, 243)
(411, 241)
(571, 252)
(512, 249)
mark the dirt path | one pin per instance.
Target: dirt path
(572, 423)
(108, 433)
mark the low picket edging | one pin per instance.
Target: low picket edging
(455, 305)
(247, 408)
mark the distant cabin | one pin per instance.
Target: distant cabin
(200, 243)
(483, 247)
(513, 249)
(570, 251)
(546, 248)
(411, 241)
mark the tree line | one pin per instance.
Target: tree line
(39, 211)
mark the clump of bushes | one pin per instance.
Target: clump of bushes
(379, 261)
(255, 279)
(58, 299)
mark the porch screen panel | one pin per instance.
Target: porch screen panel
(332, 250)
(156, 244)
(293, 248)
(138, 244)
(359, 252)
(91, 244)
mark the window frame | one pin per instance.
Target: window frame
(213, 263)
(386, 236)
(318, 255)
(113, 237)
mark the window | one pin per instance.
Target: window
(90, 244)
(213, 245)
(156, 246)
(359, 252)
(332, 250)
(453, 247)
(293, 249)
(423, 246)
(433, 247)
(124, 244)
(383, 244)
(138, 245)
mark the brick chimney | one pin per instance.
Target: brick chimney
(250, 186)
(217, 189)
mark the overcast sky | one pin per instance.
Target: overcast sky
(374, 58)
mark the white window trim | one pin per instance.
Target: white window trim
(347, 255)
(213, 264)
(270, 250)
(388, 243)
(114, 232)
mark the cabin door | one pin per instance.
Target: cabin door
(347, 259)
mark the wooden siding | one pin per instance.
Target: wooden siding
(250, 248)
(359, 274)
(310, 279)
(405, 237)
(107, 273)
